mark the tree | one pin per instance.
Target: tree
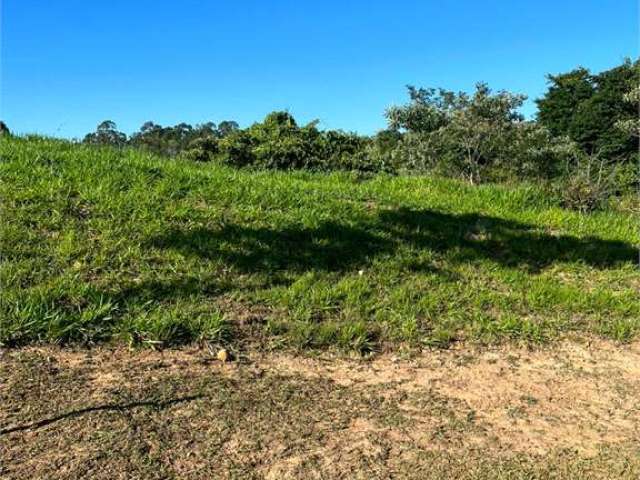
(461, 133)
(4, 130)
(631, 126)
(226, 127)
(588, 109)
(480, 129)
(107, 134)
(566, 93)
(183, 137)
(426, 111)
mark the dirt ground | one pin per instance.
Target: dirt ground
(571, 410)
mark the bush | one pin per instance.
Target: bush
(417, 152)
(279, 143)
(532, 152)
(202, 149)
(236, 149)
(589, 183)
(276, 143)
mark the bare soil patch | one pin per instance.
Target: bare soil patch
(563, 411)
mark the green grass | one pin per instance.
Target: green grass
(100, 245)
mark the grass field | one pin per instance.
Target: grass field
(106, 245)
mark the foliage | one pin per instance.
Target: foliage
(4, 130)
(107, 134)
(478, 137)
(479, 132)
(631, 126)
(566, 92)
(427, 111)
(202, 149)
(180, 138)
(280, 143)
(589, 108)
(533, 153)
(236, 149)
(195, 142)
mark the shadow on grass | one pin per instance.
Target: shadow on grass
(471, 237)
(329, 247)
(395, 238)
(337, 247)
(173, 289)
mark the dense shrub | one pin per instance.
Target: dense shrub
(343, 151)
(202, 149)
(589, 108)
(531, 152)
(631, 126)
(279, 143)
(236, 149)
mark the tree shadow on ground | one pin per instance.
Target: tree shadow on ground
(334, 246)
(471, 237)
(330, 247)
(165, 289)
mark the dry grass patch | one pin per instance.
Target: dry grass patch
(566, 411)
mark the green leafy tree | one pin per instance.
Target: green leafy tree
(589, 109)
(479, 130)
(226, 127)
(202, 149)
(197, 140)
(107, 134)
(457, 133)
(566, 93)
(427, 110)
(631, 126)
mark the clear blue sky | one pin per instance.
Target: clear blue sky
(68, 64)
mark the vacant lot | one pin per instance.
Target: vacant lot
(569, 411)
(103, 249)
(101, 244)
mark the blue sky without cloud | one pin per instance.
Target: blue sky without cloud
(68, 64)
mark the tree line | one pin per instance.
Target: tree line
(584, 137)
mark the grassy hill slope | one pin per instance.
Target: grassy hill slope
(100, 244)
